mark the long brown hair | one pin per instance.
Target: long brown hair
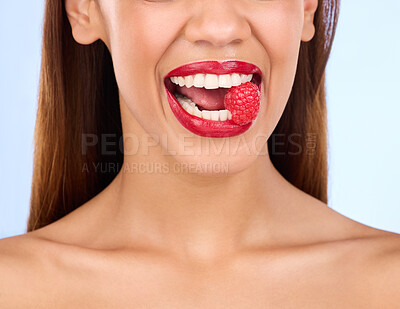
(79, 95)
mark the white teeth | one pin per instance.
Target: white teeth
(189, 81)
(215, 115)
(246, 78)
(211, 81)
(191, 108)
(199, 80)
(236, 80)
(225, 81)
(197, 112)
(186, 105)
(223, 115)
(181, 81)
(206, 114)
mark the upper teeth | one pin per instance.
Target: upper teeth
(211, 81)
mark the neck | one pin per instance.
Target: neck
(194, 214)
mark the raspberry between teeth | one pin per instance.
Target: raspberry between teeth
(243, 102)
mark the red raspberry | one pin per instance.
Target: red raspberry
(243, 102)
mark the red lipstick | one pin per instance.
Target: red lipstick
(215, 67)
(205, 127)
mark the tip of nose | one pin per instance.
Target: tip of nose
(216, 42)
(218, 27)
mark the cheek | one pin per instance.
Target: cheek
(138, 40)
(280, 34)
(282, 27)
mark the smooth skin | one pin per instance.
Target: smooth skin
(244, 238)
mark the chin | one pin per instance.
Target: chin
(213, 156)
(220, 166)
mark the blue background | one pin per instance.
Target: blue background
(363, 107)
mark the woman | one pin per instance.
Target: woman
(140, 200)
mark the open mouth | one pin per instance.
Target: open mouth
(196, 95)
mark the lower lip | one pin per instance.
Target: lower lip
(204, 127)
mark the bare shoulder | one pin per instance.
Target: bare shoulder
(17, 264)
(365, 260)
(381, 270)
(18, 251)
(370, 267)
(29, 271)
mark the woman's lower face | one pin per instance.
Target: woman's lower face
(177, 62)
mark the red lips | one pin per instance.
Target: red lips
(215, 67)
(200, 126)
